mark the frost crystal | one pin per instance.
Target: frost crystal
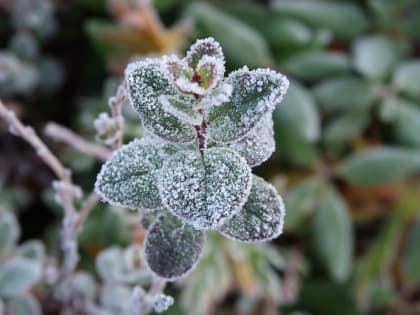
(192, 170)
(205, 190)
(261, 218)
(254, 94)
(146, 83)
(258, 145)
(127, 179)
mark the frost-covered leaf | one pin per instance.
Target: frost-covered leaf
(211, 71)
(217, 96)
(204, 47)
(9, 231)
(181, 110)
(84, 285)
(33, 250)
(261, 218)
(24, 305)
(255, 93)
(205, 190)
(258, 145)
(116, 298)
(407, 76)
(172, 248)
(127, 178)
(146, 83)
(18, 275)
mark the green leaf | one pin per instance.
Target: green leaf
(231, 33)
(34, 250)
(343, 18)
(379, 165)
(407, 78)
(18, 275)
(24, 305)
(204, 47)
(260, 219)
(9, 231)
(279, 31)
(374, 56)
(172, 248)
(207, 190)
(181, 110)
(255, 93)
(116, 298)
(404, 117)
(146, 83)
(299, 114)
(127, 179)
(333, 236)
(345, 127)
(313, 64)
(301, 201)
(84, 285)
(258, 145)
(344, 93)
(411, 257)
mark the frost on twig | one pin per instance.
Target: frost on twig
(192, 170)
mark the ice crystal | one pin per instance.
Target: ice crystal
(172, 248)
(254, 94)
(261, 218)
(127, 179)
(205, 190)
(146, 83)
(192, 170)
(258, 145)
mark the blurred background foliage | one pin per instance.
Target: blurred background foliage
(347, 137)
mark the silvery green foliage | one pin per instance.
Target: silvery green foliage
(205, 189)
(24, 305)
(9, 231)
(258, 145)
(172, 248)
(118, 265)
(192, 170)
(20, 268)
(261, 218)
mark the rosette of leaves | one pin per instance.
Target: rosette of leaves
(192, 170)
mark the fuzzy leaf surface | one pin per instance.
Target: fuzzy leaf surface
(261, 218)
(172, 248)
(254, 93)
(205, 190)
(146, 83)
(24, 305)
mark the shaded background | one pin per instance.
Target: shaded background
(347, 136)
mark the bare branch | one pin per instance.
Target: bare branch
(60, 133)
(29, 135)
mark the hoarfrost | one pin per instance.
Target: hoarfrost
(204, 47)
(146, 83)
(172, 248)
(258, 145)
(261, 218)
(234, 119)
(206, 190)
(127, 179)
(181, 110)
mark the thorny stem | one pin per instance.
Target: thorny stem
(60, 133)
